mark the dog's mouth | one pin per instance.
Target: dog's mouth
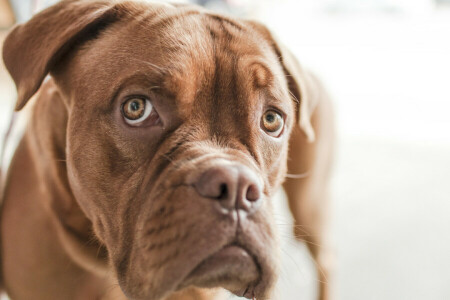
(232, 267)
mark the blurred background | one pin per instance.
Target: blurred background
(386, 64)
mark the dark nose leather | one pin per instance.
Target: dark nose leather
(232, 186)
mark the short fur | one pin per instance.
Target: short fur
(94, 209)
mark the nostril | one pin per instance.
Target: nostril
(233, 187)
(253, 193)
(223, 191)
(218, 183)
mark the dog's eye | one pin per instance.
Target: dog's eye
(136, 110)
(272, 123)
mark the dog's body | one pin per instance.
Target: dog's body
(97, 207)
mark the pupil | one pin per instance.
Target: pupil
(135, 105)
(270, 118)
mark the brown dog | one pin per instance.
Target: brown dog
(153, 152)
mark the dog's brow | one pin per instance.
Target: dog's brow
(139, 78)
(261, 74)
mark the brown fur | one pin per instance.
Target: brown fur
(92, 204)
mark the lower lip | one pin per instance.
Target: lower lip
(233, 259)
(232, 252)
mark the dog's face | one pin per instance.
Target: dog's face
(177, 139)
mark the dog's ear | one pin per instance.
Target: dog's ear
(300, 83)
(32, 49)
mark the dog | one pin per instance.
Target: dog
(158, 136)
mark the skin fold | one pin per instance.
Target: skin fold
(180, 206)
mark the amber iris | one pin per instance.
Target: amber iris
(134, 108)
(272, 121)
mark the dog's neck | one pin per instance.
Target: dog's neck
(46, 137)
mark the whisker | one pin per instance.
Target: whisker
(303, 240)
(298, 176)
(317, 266)
(295, 98)
(156, 67)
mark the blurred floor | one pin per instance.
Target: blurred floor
(390, 78)
(392, 229)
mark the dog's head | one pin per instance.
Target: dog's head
(177, 136)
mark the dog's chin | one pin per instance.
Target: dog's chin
(232, 268)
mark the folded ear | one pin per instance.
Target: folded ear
(300, 83)
(32, 49)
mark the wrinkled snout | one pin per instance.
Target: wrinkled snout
(216, 210)
(231, 187)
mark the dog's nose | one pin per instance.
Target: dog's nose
(232, 186)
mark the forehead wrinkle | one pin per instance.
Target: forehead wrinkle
(261, 75)
(226, 20)
(186, 44)
(157, 15)
(182, 89)
(174, 30)
(183, 42)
